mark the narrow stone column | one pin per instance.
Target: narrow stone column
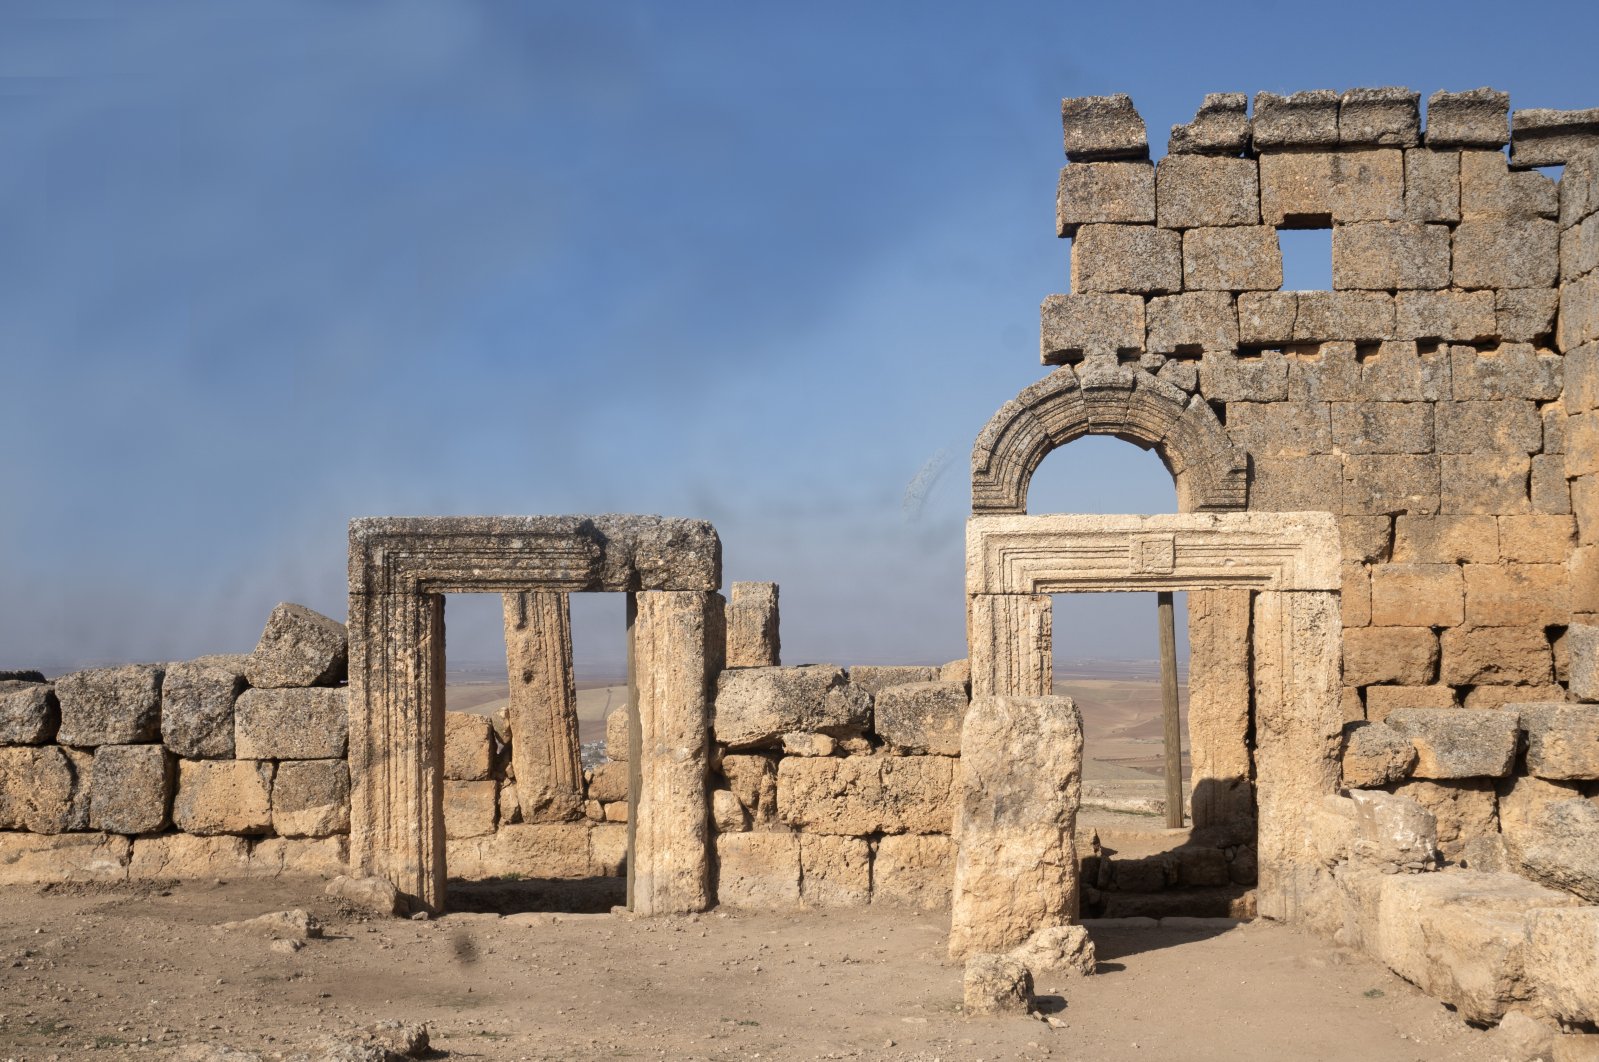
(673, 658)
(397, 742)
(1009, 637)
(543, 707)
(1218, 708)
(1018, 784)
(1298, 723)
(753, 639)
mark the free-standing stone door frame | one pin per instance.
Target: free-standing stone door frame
(399, 569)
(1290, 561)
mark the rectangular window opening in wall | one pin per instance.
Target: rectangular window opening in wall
(535, 811)
(1307, 257)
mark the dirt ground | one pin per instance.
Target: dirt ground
(112, 972)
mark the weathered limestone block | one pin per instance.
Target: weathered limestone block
(1228, 377)
(1103, 127)
(1504, 426)
(1466, 316)
(184, 856)
(1355, 316)
(1218, 706)
(299, 647)
(1235, 258)
(1515, 371)
(1220, 127)
(1196, 321)
(921, 717)
(1139, 259)
(1554, 841)
(1516, 595)
(859, 795)
(1280, 429)
(1526, 314)
(1578, 322)
(469, 808)
(1452, 743)
(1548, 490)
(1304, 119)
(835, 871)
(1432, 185)
(874, 678)
(1401, 371)
(1540, 136)
(110, 706)
(543, 706)
(758, 869)
(1392, 830)
(374, 895)
(1315, 189)
(756, 706)
(728, 813)
(131, 790)
(1020, 780)
(616, 745)
(1376, 756)
(1485, 483)
(1388, 483)
(1011, 644)
(1388, 255)
(1582, 642)
(1410, 595)
(311, 798)
(753, 779)
(1489, 189)
(996, 984)
(1093, 193)
(223, 796)
(753, 635)
(468, 748)
(35, 859)
(1496, 655)
(1493, 252)
(197, 700)
(38, 786)
(914, 870)
(1383, 427)
(1477, 118)
(1266, 317)
(1380, 700)
(1058, 949)
(608, 850)
(532, 850)
(1379, 117)
(319, 857)
(1464, 811)
(608, 783)
(1462, 937)
(1194, 191)
(1562, 963)
(677, 642)
(290, 723)
(29, 713)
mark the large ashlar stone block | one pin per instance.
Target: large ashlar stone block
(1020, 780)
(291, 724)
(753, 635)
(320, 857)
(1096, 193)
(753, 780)
(531, 850)
(35, 859)
(860, 795)
(616, 739)
(184, 856)
(1011, 643)
(1103, 127)
(197, 700)
(1218, 707)
(1526, 314)
(1280, 429)
(1517, 595)
(1455, 743)
(1379, 117)
(835, 871)
(1235, 258)
(1353, 316)
(311, 798)
(1139, 259)
(1390, 255)
(1267, 317)
(1506, 426)
(608, 783)
(756, 706)
(758, 870)
(29, 713)
(299, 647)
(1383, 427)
(1494, 252)
(1488, 188)
(1506, 656)
(1477, 118)
(1462, 937)
(1074, 325)
(1404, 656)
(1315, 189)
(914, 870)
(875, 678)
(223, 796)
(1304, 119)
(468, 747)
(39, 788)
(1541, 136)
(1582, 643)
(1563, 962)
(131, 789)
(1432, 185)
(921, 717)
(1562, 739)
(1220, 127)
(1376, 756)
(677, 642)
(1417, 595)
(1485, 483)
(1393, 830)
(1194, 191)
(1196, 321)
(1462, 316)
(110, 706)
(543, 707)
(470, 808)
(1391, 483)
(1402, 371)
(1464, 811)
(1228, 377)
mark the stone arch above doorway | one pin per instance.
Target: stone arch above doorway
(1101, 397)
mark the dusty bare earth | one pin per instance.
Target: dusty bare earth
(112, 972)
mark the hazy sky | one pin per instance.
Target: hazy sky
(269, 266)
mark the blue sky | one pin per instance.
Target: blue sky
(268, 266)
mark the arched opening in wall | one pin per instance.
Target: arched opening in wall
(535, 812)
(1107, 657)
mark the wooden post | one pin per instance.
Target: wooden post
(1168, 694)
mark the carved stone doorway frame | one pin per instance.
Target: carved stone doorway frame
(1289, 561)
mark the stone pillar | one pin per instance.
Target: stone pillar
(1298, 726)
(1018, 784)
(397, 742)
(752, 626)
(543, 706)
(1218, 708)
(1010, 643)
(673, 660)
